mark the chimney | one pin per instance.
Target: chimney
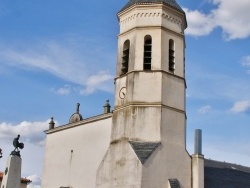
(198, 162)
(198, 142)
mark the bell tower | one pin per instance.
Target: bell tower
(148, 139)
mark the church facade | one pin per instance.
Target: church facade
(142, 142)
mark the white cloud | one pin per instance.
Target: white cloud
(33, 186)
(245, 61)
(232, 17)
(199, 24)
(36, 181)
(97, 81)
(218, 86)
(30, 131)
(50, 56)
(66, 90)
(79, 64)
(205, 109)
(241, 106)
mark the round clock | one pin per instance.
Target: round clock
(123, 92)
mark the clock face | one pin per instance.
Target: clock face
(123, 93)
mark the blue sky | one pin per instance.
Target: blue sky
(54, 54)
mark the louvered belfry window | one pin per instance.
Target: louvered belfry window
(171, 56)
(147, 53)
(125, 57)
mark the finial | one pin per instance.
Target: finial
(76, 116)
(51, 123)
(77, 108)
(107, 107)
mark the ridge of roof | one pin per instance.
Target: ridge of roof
(219, 174)
(171, 3)
(219, 164)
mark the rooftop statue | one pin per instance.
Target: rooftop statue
(17, 145)
(1, 154)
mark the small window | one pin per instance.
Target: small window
(147, 53)
(171, 56)
(125, 57)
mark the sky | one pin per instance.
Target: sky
(54, 54)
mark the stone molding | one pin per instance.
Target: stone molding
(79, 123)
(181, 35)
(149, 104)
(162, 71)
(151, 14)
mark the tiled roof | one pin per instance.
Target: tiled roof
(174, 183)
(23, 180)
(143, 150)
(171, 3)
(226, 175)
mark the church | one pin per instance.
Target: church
(141, 143)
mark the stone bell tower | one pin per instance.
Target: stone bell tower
(148, 139)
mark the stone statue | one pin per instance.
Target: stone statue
(17, 145)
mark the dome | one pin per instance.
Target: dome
(171, 3)
(76, 116)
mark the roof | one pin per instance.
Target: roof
(226, 175)
(171, 3)
(174, 183)
(143, 150)
(23, 180)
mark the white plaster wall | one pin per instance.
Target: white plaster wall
(146, 87)
(88, 143)
(137, 123)
(173, 92)
(170, 158)
(120, 168)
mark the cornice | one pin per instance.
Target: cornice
(148, 10)
(149, 104)
(80, 123)
(149, 14)
(162, 71)
(181, 35)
